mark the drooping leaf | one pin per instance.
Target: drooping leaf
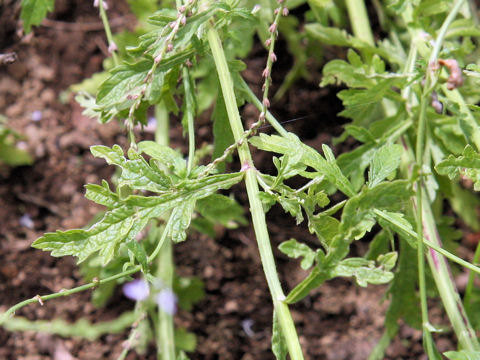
(34, 11)
(292, 248)
(468, 165)
(139, 253)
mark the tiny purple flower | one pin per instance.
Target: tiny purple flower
(37, 115)
(167, 301)
(26, 221)
(136, 290)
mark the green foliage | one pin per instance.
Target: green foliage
(127, 217)
(10, 153)
(462, 355)
(468, 165)
(34, 11)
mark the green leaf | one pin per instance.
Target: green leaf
(279, 346)
(34, 11)
(222, 133)
(139, 254)
(462, 355)
(168, 158)
(360, 133)
(184, 340)
(189, 290)
(364, 271)
(123, 223)
(292, 248)
(310, 157)
(468, 165)
(136, 173)
(101, 194)
(325, 228)
(385, 161)
(13, 156)
(222, 209)
(180, 220)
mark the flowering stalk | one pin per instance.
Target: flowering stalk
(173, 28)
(112, 47)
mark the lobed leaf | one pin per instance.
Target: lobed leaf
(292, 248)
(123, 223)
(385, 161)
(136, 173)
(468, 165)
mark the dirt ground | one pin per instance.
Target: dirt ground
(338, 321)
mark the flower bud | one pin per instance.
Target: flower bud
(285, 11)
(266, 103)
(272, 28)
(273, 57)
(268, 42)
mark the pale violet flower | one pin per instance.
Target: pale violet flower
(167, 301)
(137, 290)
(36, 115)
(26, 221)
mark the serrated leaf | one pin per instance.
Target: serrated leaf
(468, 165)
(385, 161)
(400, 225)
(165, 155)
(364, 271)
(180, 220)
(101, 194)
(279, 346)
(123, 223)
(127, 83)
(136, 173)
(34, 11)
(292, 248)
(360, 133)
(222, 133)
(310, 157)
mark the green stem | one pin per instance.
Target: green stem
(189, 111)
(471, 278)
(256, 208)
(357, 13)
(165, 329)
(108, 32)
(93, 284)
(165, 336)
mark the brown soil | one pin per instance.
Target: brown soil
(338, 321)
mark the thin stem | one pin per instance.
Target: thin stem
(256, 208)
(112, 47)
(471, 278)
(41, 299)
(189, 110)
